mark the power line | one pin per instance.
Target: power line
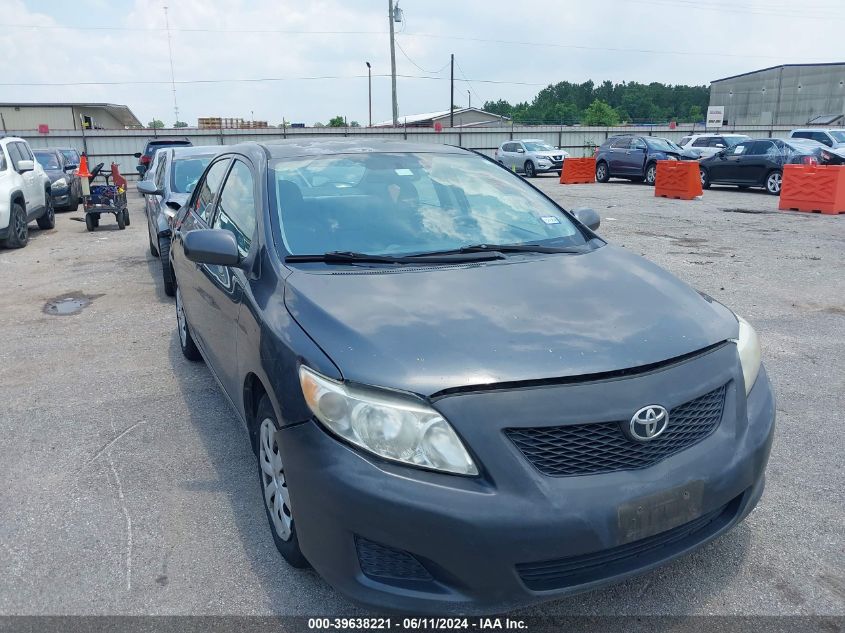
(430, 72)
(461, 70)
(257, 80)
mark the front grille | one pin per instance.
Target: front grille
(577, 570)
(381, 562)
(588, 449)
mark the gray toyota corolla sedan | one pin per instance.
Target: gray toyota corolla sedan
(461, 398)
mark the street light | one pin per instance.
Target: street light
(370, 83)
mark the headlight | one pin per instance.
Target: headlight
(61, 183)
(748, 345)
(670, 157)
(386, 424)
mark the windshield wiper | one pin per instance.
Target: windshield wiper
(348, 257)
(505, 248)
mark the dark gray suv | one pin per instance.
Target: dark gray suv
(635, 157)
(461, 398)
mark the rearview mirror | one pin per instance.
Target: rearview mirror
(149, 187)
(216, 247)
(25, 165)
(588, 218)
(137, 154)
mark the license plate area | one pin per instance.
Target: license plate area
(659, 512)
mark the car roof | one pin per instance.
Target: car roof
(196, 150)
(315, 147)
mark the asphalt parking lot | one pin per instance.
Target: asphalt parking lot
(130, 487)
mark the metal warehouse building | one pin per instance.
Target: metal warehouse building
(67, 116)
(791, 94)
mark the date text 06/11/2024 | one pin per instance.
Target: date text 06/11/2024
(417, 624)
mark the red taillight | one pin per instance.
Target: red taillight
(809, 160)
(145, 160)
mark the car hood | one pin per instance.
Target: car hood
(535, 317)
(55, 174)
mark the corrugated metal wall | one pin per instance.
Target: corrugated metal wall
(119, 145)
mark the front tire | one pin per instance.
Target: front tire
(773, 182)
(166, 268)
(89, 222)
(48, 220)
(126, 217)
(530, 170)
(274, 487)
(18, 228)
(602, 172)
(121, 220)
(186, 341)
(705, 178)
(651, 174)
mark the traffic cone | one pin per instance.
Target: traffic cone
(84, 175)
(82, 170)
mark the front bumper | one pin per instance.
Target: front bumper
(549, 166)
(61, 197)
(364, 523)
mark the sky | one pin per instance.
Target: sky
(311, 54)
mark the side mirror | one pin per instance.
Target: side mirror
(25, 165)
(148, 187)
(519, 150)
(588, 218)
(71, 167)
(137, 154)
(142, 170)
(216, 247)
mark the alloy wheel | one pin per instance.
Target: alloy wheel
(773, 182)
(651, 174)
(20, 227)
(276, 495)
(601, 172)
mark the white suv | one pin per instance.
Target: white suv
(706, 145)
(24, 193)
(830, 137)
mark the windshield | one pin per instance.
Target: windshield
(48, 160)
(398, 204)
(838, 136)
(538, 146)
(662, 144)
(186, 172)
(70, 156)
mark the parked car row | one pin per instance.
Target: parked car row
(354, 301)
(728, 159)
(173, 174)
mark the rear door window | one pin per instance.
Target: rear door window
(761, 148)
(701, 142)
(621, 143)
(162, 165)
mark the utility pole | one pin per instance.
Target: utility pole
(393, 64)
(370, 91)
(172, 77)
(452, 94)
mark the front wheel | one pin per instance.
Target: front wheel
(18, 228)
(89, 222)
(602, 172)
(186, 341)
(48, 220)
(126, 217)
(705, 178)
(530, 171)
(166, 268)
(651, 174)
(121, 220)
(274, 486)
(773, 183)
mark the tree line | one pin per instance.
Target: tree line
(608, 103)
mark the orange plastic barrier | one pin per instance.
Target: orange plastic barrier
(678, 179)
(813, 188)
(578, 171)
